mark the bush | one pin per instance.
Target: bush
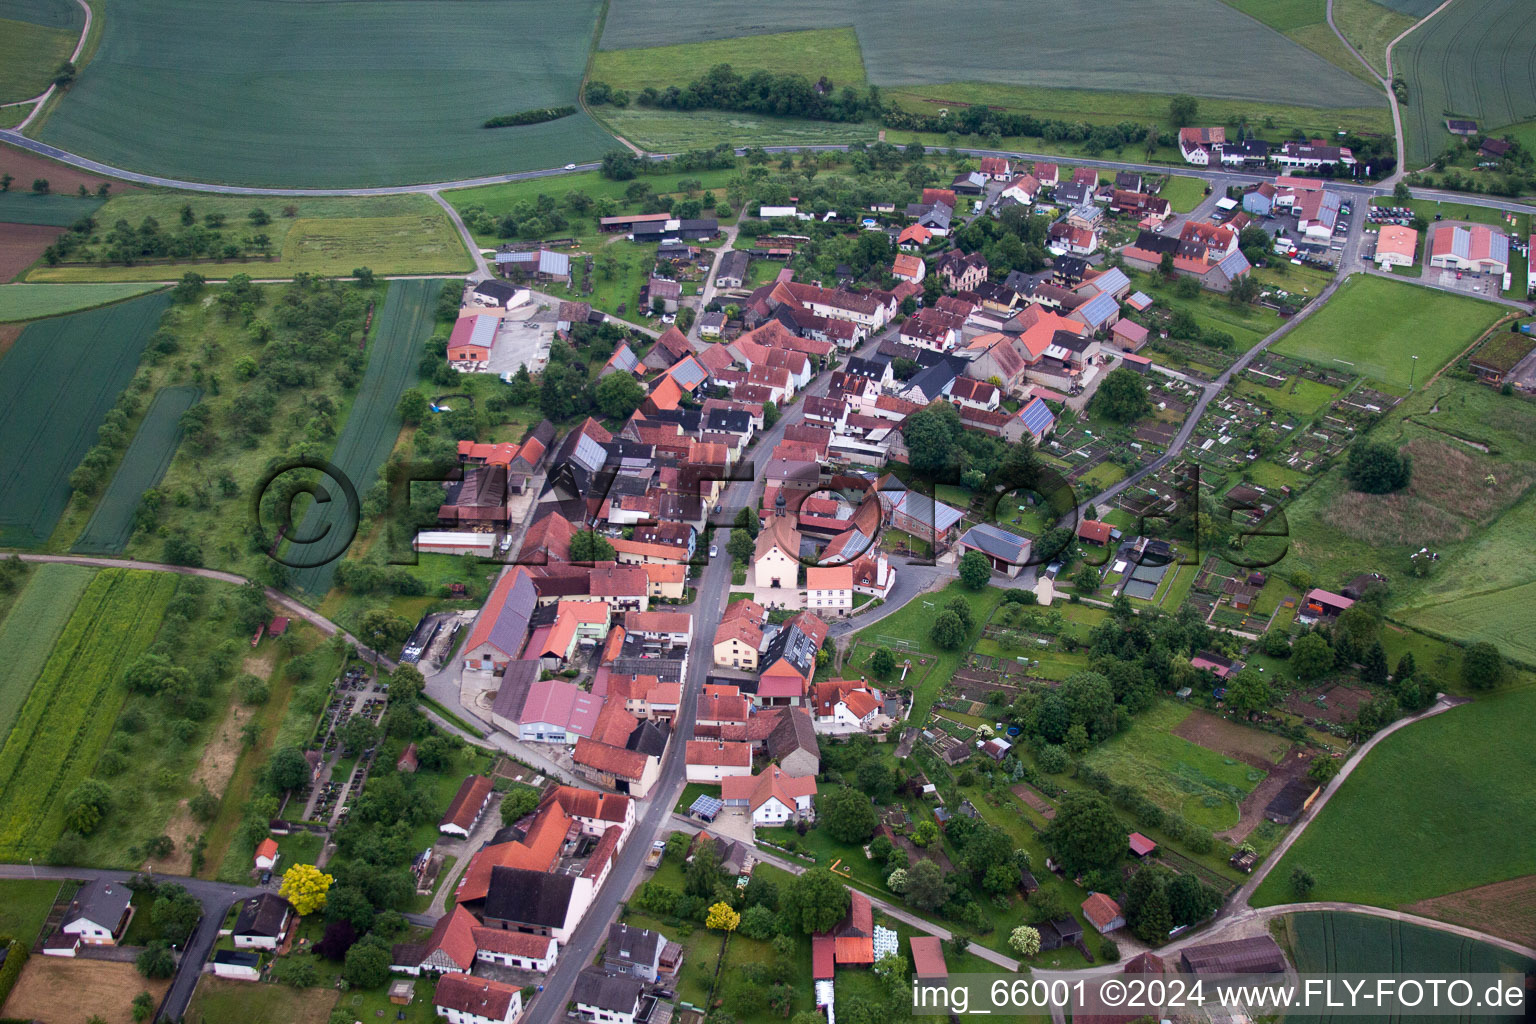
(1108, 951)
(15, 960)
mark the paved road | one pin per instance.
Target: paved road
(74, 58)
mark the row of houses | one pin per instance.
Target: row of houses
(1209, 146)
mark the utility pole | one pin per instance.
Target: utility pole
(1413, 369)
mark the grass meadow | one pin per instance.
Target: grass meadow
(379, 94)
(24, 906)
(36, 36)
(978, 41)
(833, 52)
(1361, 327)
(408, 234)
(222, 1001)
(1494, 38)
(1370, 26)
(30, 629)
(50, 406)
(21, 302)
(71, 709)
(1394, 832)
(143, 465)
(1183, 192)
(1177, 775)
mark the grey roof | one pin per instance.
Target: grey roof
(689, 373)
(529, 897)
(926, 510)
(624, 358)
(1257, 955)
(236, 958)
(1234, 264)
(614, 992)
(99, 901)
(733, 421)
(633, 945)
(262, 915)
(1112, 280)
(519, 677)
(1099, 309)
(733, 264)
(1070, 266)
(997, 542)
(511, 626)
(794, 732)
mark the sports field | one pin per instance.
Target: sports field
(50, 406)
(36, 36)
(331, 93)
(1202, 785)
(408, 234)
(70, 710)
(20, 302)
(144, 463)
(1395, 832)
(369, 435)
(1361, 330)
(1473, 60)
(28, 632)
(977, 40)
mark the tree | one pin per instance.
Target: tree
(925, 833)
(1047, 905)
(358, 734)
(518, 803)
(1311, 656)
(157, 961)
(1087, 579)
(367, 963)
(947, 631)
(1182, 110)
(814, 902)
(758, 922)
(927, 888)
(1122, 396)
(846, 814)
(1024, 940)
(1191, 900)
(286, 770)
(1085, 834)
(1322, 768)
(747, 521)
(975, 570)
(1377, 468)
(379, 627)
(1482, 668)
(362, 277)
(875, 777)
(722, 918)
(882, 663)
(40, 186)
(1302, 883)
(1248, 692)
(1244, 290)
(339, 937)
(175, 913)
(703, 874)
(413, 406)
(770, 413)
(1165, 266)
(86, 805)
(305, 886)
(618, 395)
(898, 880)
(1277, 644)
(619, 165)
(143, 1007)
(590, 546)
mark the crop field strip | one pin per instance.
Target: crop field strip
(1474, 60)
(148, 456)
(379, 94)
(30, 629)
(22, 302)
(36, 36)
(52, 209)
(73, 706)
(56, 384)
(370, 432)
(979, 41)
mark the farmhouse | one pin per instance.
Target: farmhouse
(1197, 144)
(262, 922)
(771, 798)
(465, 1000)
(603, 998)
(1007, 552)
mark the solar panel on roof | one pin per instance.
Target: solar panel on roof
(688, 373)
(707, 806)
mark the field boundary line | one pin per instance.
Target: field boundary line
(1402, 142)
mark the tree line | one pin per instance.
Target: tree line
(759, 92)
(536, 116)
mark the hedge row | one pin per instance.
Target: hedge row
(538, 116)
(15, 960)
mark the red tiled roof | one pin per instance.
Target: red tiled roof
(467, 802)
(928, 957)
(1141, 845)
(495, 940)
(1092, 529)
(478, 997)
(823, 957)
(719, 754)
(454, 935)
(1101, 910)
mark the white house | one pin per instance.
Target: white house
(829, 589)
(842, 707)
(1196, 144)
(776, 556)
(466, 1000)
(772, 798)
(603, 998)
(99, 912)
(266, 854)
(713, 760)
(237, 965)
(263, 922)
(516, 949)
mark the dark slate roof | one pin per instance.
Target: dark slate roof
(729, 421)
(633, 945)
(614, 992)
(864, 367)
(236, 958)
(998, 543)
(733, 264)
(518, 679)
(794, 732)
(649, 738)
(99, 901)
(529, 897)
(1257, 955)
(262, 915)
(495, 289)
(1152, 241)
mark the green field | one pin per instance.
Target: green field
(833, 53)
(50, 407)
(223, 1001)
(20, 302)
(405, 234)
(405, 323)
(1174, 773)
(1494, 37)
(144, 463)
(36, 36)
(21, 206)
(1305, 22)
(24, 906)
(978, 41)
(1360, 330)
(1369, 27)
(70, 711)
(673, 131)
(378, 94)
(1393, 833)
(29, 630)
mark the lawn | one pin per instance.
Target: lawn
(978, 41)
(1174, 773)
(30, 629)
(404, 87)
(1183, 192)
(1369, 26)
(1297, 395)
(371, 430)
(1359, 330)
(1246, 324)
(833, 53)
(24, 906)
(222, 1001)
(20, 302)
(35, 38)
(50, 408)
(70, 711)
(1393, 833)
(407, 234)
(1499, 35)
(142, 467)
